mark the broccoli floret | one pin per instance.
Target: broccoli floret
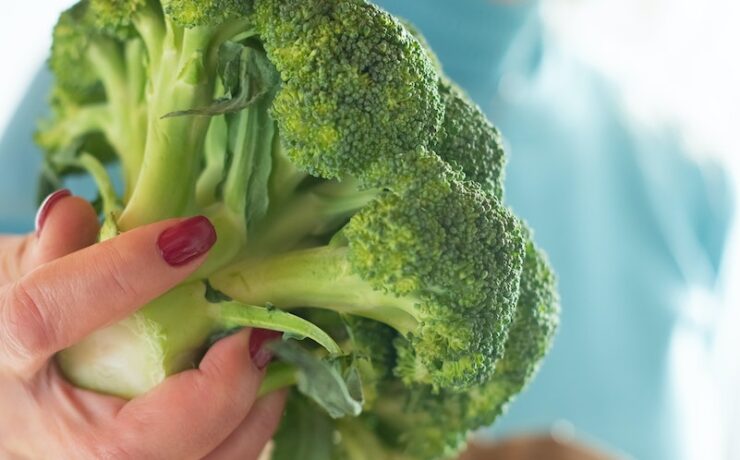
(372, 339)
(469, 141)
(190, 13)
(429, 424)
(370, 343)
(535, 323)
(69, 61)
(99, 90)
(115, 15)
(466, 138)
(413, 30)
(357, 87)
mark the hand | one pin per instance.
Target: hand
(51, 286)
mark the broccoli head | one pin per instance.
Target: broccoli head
(431, 424)
(470, 142)
(190, 13)
(357, 195)
(357, 87)
(74, 73)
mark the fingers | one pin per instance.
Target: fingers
(254, 432)
(63, 301)
(70, 225)
(67, 224)
(191, 413)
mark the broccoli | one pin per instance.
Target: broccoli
(425, 423)
(357, 86)
(470, 142)
(425, 259)
(415, 421)
(358, 199)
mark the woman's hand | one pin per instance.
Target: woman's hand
(56, 287)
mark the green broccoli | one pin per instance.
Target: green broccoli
(423, 423)
(425, 259)
(358, 199)
(470, 142)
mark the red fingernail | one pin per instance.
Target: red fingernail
(261, 355)
(186, 241)
(46, 207)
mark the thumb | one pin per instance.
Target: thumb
(64, 224)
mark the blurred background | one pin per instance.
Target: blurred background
(621, 120)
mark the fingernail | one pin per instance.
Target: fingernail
(186, 241)
(261, 355)
(46, 207)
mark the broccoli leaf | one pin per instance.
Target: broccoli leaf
(235, 314)
(321, 380)
(247, 76)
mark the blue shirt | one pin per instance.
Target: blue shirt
(631, 225)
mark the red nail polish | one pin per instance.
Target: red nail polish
(186, 241)
(261, 355)
(47, 206)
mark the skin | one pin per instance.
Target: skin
(51, 286)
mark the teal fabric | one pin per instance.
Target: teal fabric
(630, 223)
(20, 160)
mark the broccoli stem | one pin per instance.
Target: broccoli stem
(226, 175)
(311, 213)
(279, 375)
(245, 191)
(136, 112)
(215, 150)
(127, 116)
(235, 314)
(359, 442)
(181, 78)
(169, 163)
(237, 171)
(131, 357)
(107, 192)
(319, 277)
(78, 122)
(149, 22)
(171, 154)
(107, 58)
(285, 176)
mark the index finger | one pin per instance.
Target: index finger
(63, 301)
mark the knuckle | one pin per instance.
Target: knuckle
(232, 395)
(129, 438)
(26, 332)
(114, 263)
(213, 367)
(115, 450)
(117, 444)
(265, 430)
(230, 399)
(270, 415)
